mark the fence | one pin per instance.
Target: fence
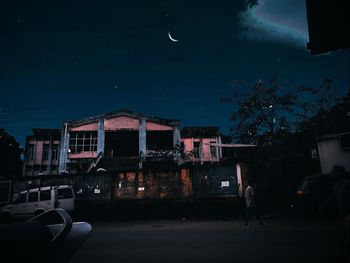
(181, 183)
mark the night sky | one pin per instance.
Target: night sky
(64, 60)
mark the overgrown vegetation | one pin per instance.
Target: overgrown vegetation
(284, 125)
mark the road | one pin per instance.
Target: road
(211, 241)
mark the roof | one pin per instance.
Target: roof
(43, 188)
(124, 112)
(189, 132)
(331, 136)
(44, 133)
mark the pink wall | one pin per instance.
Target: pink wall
(152, 126)
(122, 122)
(39, 152)
(86, 127)
(188, 144)
(82, 155)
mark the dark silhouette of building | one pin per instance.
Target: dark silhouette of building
(328, 23)
(10, 156)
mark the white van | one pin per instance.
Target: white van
(38, 200)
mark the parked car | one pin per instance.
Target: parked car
(38, 200)
(49, 237)
(311, 194)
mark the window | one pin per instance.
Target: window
(43, 169)
(45, 195)
(21, 198)
(54, 154)
(196, 146)
(46, 148)
(213, 151)
(30, 152)
(122, 143)
(85, 141)
(64, 193)
(33, 197)
(159, 140)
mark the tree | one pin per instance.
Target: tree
(10, 156)
(278, 121)
(335, 118)
(261, 113)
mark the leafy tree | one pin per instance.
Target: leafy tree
(10, 156)
(261, 113)
(280, 123)
(332, 119)
(314, 102)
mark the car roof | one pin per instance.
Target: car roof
(46, 188)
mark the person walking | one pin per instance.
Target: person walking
(251, 209)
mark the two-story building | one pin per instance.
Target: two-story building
(42, 152)
(119, 140)
(126, 138)
(122, 139)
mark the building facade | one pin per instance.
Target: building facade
(118, 141)
(334, 149)
(42, 152)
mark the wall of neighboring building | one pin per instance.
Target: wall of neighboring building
(331, 153)
(35, 161)
(205, 152)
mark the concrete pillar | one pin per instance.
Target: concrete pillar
(101, 136)
(201, 150)
(49, 157)
(34, 156)
(217, 149)
(64, 144)
(177, 136)
(142, 138)
(239, 179)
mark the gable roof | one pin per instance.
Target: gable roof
(127, 113)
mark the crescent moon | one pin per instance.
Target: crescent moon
(171, 38)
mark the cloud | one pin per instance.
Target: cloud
(282, 21)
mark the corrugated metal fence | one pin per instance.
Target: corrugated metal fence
(182, 183)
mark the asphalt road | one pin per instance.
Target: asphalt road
(211, 241)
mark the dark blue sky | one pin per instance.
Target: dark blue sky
(63, 60)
